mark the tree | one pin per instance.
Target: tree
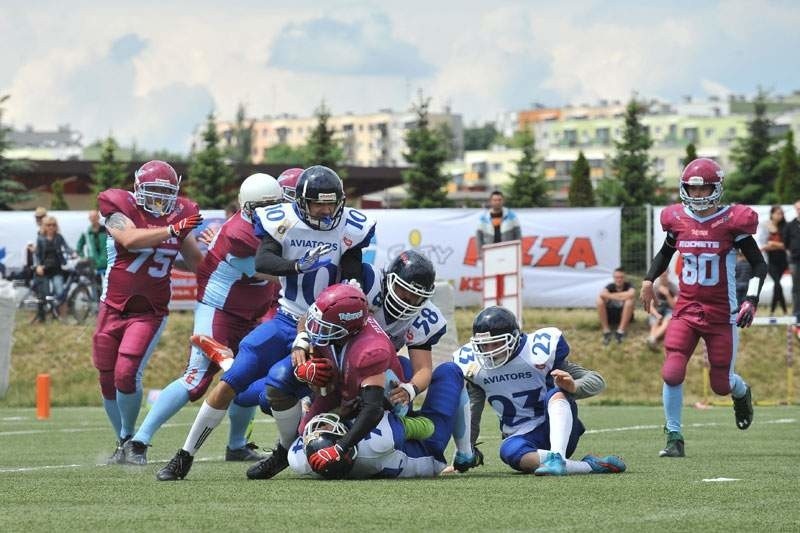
(321, 148)
(109, 172)
(753, 181)
(58, 202)
(581, 193)
(239, 151)
(426, 154)
(11, 191)
(211, 181)
(632, 185)
(285, 154)
(480, 137)
(787, 185)
(691, 154)
(528, 187)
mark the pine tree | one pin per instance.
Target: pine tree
(753, 181)
(691, 154)
(109, 172)
(242, 137)
(321, 148)
(787, 185)
(528, 187)
(58, 202)
(11, 191)
(581, 193)
(426, 154)
(211, 181)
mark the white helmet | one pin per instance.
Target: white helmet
(259, 190)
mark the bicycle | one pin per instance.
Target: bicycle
(81, 294)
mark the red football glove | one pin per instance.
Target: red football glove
(317, 371)
(747, 310)
(321, 460)
(183, 227)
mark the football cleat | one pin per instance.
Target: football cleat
(553, 465)
(743, 409)
(606, 338)
(610, 464)
(214, 350)
(463, 462)
(271, 465)
(177, 468)
(245, 453)
(135, 453)
(118, 457)
(674, 447)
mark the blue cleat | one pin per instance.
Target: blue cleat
(610, 464)
(553, 465)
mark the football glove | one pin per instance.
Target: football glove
(312, 259)
(747, 311)
(462, 462)
(183, 227)
(316, 371)
(321, 460)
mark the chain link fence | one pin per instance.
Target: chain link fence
(637, 231)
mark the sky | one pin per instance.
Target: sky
(151, 71)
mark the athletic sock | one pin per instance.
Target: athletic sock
(170, 401)
(129, 406)
(287, 422)
(560, 418)
(738, 386)
(112, 411)
(462, 428)
(672, 398)
(207, 419)
(240, 418)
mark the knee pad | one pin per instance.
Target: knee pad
(126, 373)
(107, 385)
(278, 399)
(673, 371)
(104, 352)
(720, 380)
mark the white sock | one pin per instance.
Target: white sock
(207, 419)
(560, 416)
(287, 422)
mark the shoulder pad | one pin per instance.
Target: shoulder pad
(669, 215)
(744, 219)
(116, 201)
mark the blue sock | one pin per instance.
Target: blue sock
(112, 411)
(672, 398)
(738, 386)
(240, 418)
(129, 405)
(169, 402)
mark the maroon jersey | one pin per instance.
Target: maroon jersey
(368, 353)
(706, 248)
(139, 280)
(225, 277)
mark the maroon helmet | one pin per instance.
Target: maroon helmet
(156, 186)
(339, 312)
(701, 171)
(288, 181)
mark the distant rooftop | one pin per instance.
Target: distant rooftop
(29, 138)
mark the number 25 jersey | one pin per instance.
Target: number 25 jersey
(707, 251)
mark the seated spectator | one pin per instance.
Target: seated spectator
(615, 306)
(661, 310)
(51, 256)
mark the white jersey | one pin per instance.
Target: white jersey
(517, 390)
(282, 223)
(425, 327)
(384, 453)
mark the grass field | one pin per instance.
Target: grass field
(50, 480)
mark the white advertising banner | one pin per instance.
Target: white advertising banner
(568, 255)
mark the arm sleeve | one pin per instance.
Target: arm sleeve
(350, 265)
(368, 417)
(754, 256)
(661, 260)
(589, 383)
(269, 259)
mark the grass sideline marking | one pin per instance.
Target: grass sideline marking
(98, 428)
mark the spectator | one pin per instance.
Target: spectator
(661, 313)
(39, 215)
(615, 306)
(770, 240)
(51, 256)
(92, 243)
(498, 223)
(791, 242)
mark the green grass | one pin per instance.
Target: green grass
(631, 370)
(50, 480)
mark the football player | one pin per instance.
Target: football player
(707, 236)
(531, 387)
(231, 297)
(288, 182)
(309, 243)
(147, 229)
